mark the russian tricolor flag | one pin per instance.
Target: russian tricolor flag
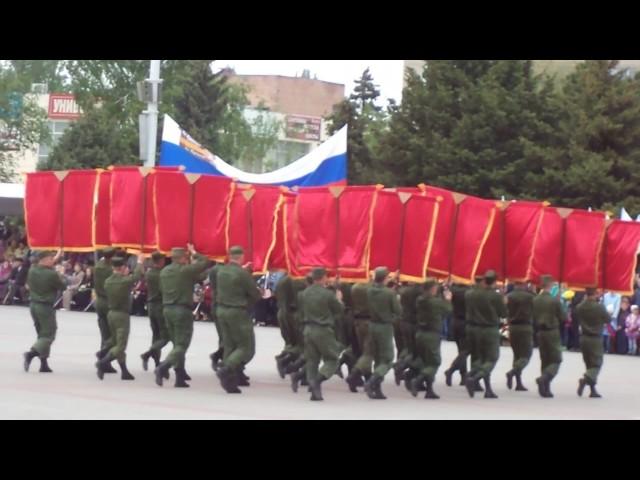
(326, 165)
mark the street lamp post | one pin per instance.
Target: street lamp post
(149, 91)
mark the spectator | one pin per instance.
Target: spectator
(82, 298)
(10, 251)
(633, 329)
(611, 302)
(5, 274)
(621, 345)
(17, 281)
(74, 282)
(21, 251)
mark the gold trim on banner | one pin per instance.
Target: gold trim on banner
(535, 242)
(432, 233)
(404, 197)
(192, 177)
(61, 175)
(482, 244)
(336, 190)
(274, 233)
(248, 194)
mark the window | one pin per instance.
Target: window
(286, 152)
(57, 128)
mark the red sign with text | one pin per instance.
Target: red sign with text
(63, 106)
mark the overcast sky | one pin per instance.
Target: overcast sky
(387, 74)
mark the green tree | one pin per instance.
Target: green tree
(50, 72)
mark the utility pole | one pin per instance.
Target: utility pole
(149, 91)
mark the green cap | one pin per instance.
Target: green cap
(429, 284)
(546, 280)
(157, 256)
(380, 273)
(490, 275)
(118, 262)
(108, 252)
(318, 273)
(236, 250)
(178, 253)
(591, 291)
(41, 255)
(479, 279)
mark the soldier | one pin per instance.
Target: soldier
(385, 310)
(347, 335)
(44, 284)
(320, 308)
(101, 272)
(458, 292)
(470, 330)
(118, 288)
(296, 368)
(216, 357)
(488, 308)
(361, 320)
(236, 293)
(549, 317)
(519, 310)
(286, 293)
(176, 286)
(592, 317)
(160, 333)
(430, 314)
(407, 358)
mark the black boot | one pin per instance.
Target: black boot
(125, 374)
(415, 383)
(156, 357)
(542, 386)
(408, 376)
(316, 390)
(243, 380)
(581, 384)
(463, 376)
(102, 364)
(228, 379)
(594, 393)
(488, 392)
(547, 386)
(448, 375)
(304, 382)
(354, 380)
(294, 366)
(510, 375)
(296, 378)
(145, 359)
(187, 377)
(519, 386)
(282, 362)
(372, 388)
(398, 370)
(28, 356)
(378, 389)
(162, 371)
(181, 379)
(44, 366)
(430, 393)
(478, 387)
(470, 384)
(100, 354)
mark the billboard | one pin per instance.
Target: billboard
(63, 106)
(302, 127)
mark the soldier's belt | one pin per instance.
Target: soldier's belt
(362, 317)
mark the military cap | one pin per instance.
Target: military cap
(41, 255)
(118, 262)
(429, 284)
(108, 252)
(157, 256)
(178, 252)
(236, 250)
(591, 291)
(490, 275)
(380, 273)
(546, 280)
(479, 279)
(318, 273)
(309, 279)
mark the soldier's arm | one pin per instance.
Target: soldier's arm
(500, 307)
(251, 289)
(396, 308)
(197, 267)
(138, 272)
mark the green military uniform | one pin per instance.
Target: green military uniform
(295, 367)
(486, 309)
(385, 310)
(549, 317)
(118, 288)
(286, 303)
(159, 330)
(430, 315)
(219, 353)
(346, 330)
(407, 358)
(458, 295)
(592, 317)
(236, 293)
(519, 314)
(101, 272)
(176, 286)
(320, 309)
(44, 284)
(471, 323)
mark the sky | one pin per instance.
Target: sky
(387, 74)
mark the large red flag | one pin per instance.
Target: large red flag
(522, 222)
(173, 209)
(492, 254)
(211, 210)
(584, 236)
(387, 225)
(439, 263)
(548, 244)
(619, 256)
(79, 192)
(102, 211)
(43, 210)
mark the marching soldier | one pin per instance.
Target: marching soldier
(347, 335)
(160, 334)
(471, 314)
(488, 308)
(216, 357)
(548, 317)
(296, 368)
(176, 286)
(385, 310)
(430, 313)
(361, 370)
(286, 293)
(592, 317)
(101, 272)
(44, 284)
(407, 358)
(520, 305)
(458, 293)
(118, 288)
(236, 293)
(320, 308)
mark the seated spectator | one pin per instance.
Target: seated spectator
(74, 282)
(10, 250)
(633, 329)
(5, 274)
(82, 299)
(21, 251)
(17, 281)
(621, 342)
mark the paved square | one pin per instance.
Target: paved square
(74, 392)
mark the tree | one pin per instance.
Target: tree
(23, 124)
(50, 72)
(94, 141)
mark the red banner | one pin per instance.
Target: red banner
(583, 243)
(522, 221)
(212, 200)
(79, 191)
(619, 257)
(548, 245)
(440, 254)
(173, 210)
(43, 212)
(102, 211)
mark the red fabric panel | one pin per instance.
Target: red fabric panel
(582, 249)
(475, 220)
(173, 210)
(547, 248)
(238, 222)
(211, 202)
(78, 198)
(102, 237)
(417, 241)
(620, 256)
(265, 206)
(291, 235)
(278, 259)
(522, 221)
(385, 240)
(439, 261)
(43, 192)
(491, 254)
